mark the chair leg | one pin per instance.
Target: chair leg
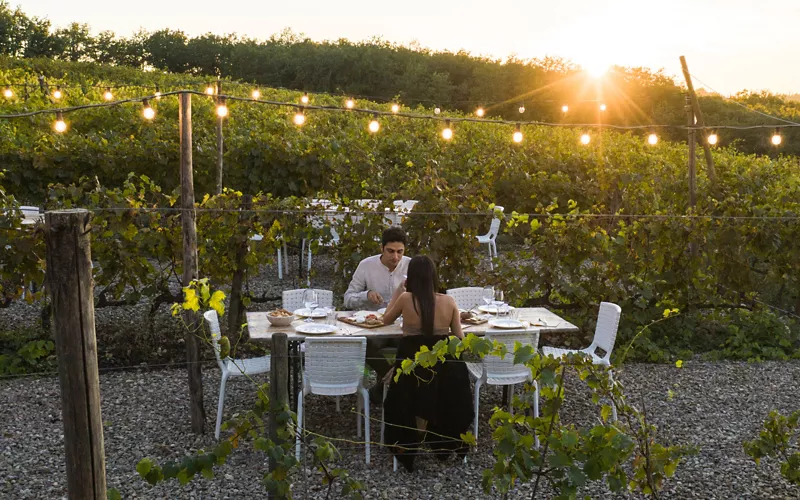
(280, 264)
(338, 410)
(366, 422)
(477, 401)
(536, 411)
(494, 248)
(491, 264)
(299, 425)
(394, 463)
(221, 404)
(308, 272)
(286, 259)
(359, 404)
(511, 399)
(383, 412)
(613, 408)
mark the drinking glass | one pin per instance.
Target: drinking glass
(311, 301)
(330, 314)
(498, 300)
(488, 294)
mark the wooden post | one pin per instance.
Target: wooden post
(220, 149)
(712, 175)
(278, 388)
(692, 155)
(236, 308)
(189, 224)
(69, 278)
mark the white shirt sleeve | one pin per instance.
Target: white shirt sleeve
(356, 295)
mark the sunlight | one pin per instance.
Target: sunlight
(596, 68)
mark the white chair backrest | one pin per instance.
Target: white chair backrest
(212, 320)
(605, 334)
(467, 297)
(496, 366)
(293, 299)
(334, 366)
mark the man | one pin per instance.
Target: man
(371, 288)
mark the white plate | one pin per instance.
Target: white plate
(381, 310)
(305, 313)
(314, 328)
(492, 309)
(506, 323)
(364, 314)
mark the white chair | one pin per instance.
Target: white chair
(293, 299)
(490, 237)
(259, 237)
(31, 215)
(335, 367)
(605, 335)
(230, 367)
(494, 370)
(318, 223)
(467, 297)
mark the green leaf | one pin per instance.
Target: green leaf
(144, 466)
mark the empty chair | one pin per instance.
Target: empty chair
(466, 297)
(31, 215)
(496, 371)
(489, 238)
(230, 367)
(293, 299)
(259, 237)
(605, 335)
(318, 222)
(335, 367)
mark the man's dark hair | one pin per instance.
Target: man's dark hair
(392, 234)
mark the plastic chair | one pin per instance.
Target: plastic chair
(490, 237)
(293, 299)
(31, 215)
(230, 367)
(496, 371)
(466, 297)
(319, 223)
(259, 237)
(605, 335)
(335, 367)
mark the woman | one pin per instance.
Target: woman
(431, 405)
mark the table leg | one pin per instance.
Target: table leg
(294, 373)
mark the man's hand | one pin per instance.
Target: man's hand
(375, 297)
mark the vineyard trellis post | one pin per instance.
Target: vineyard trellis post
(69, 279)
(189, 230)
(698, 115)
(278, 389)
(220, 141)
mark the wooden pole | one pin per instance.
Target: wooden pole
(692, 155)
(712, 175)
(278, 388)
(236, 308)
(220, 150)
(69, 278)
(189, 225)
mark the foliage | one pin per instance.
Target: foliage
(25, 351)
(778, 438)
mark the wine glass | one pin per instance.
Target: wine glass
(488, 294)
(498, 300)
(311, 301)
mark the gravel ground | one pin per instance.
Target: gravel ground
(715, 406)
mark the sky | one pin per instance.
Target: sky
(730, 45)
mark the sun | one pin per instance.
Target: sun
(596, 68)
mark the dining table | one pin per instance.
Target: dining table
(261, 330)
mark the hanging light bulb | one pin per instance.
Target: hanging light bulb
(776, 138)
(299, 118)
(437, 110)
(602, 107)
(107, 95)
(517, 134)
(480, 112)
(585, 139)
(652, 139)
(157, 93)
(8, 93)
(304, 99)
(522, 108)
(564, 108)
(712, 138)
(148, 112)
(395, 108)
(60, 125)
(256, 94)
(374, 125)
(222, 109)
(350, 104)
(57, 94)
(447, 132)
(210, 90)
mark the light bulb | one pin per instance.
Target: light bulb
(8, 93)
(602, 107)
(350, 104)
(447, 132)
(148, 112)
(299, 118)
(222, 110)
(437, 110)
(210, 90)
(107, 95)
(395, 108)
(304, 99)
(256, 94)
(157, 94)
(60, 125)
(374, 125)
(652, 139)
(712, 139)
(564, 108)
(776, 139)
(586, 139)
(517, 136)
(57, 94)
(522, 109)
(480, 112)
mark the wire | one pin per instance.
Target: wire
(748, 108)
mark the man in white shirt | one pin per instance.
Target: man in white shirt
(371, 288)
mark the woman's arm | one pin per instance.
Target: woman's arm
(455, 321)
(396, 306)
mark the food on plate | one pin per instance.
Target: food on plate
(280, 313)
(372, 319)
(467, 315)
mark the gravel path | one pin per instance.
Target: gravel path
(715, 406)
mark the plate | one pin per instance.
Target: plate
(491, 309)
(506, 323)
(305, 313)
(382, 310)
(314, 328)
(364, 314)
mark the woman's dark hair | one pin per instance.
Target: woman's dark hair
(423, 282)
(393, 234)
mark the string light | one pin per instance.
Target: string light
(148, 112)
(712, 138)
(210, 90)
(107, 95)
(157, 93)
(304, 99)
(437, 110)
(480, 112)
(395, 108)
(776, 138)
(222, 109)
(350, 104)
(517, 134)
(602, 107)
(447, 132)
(585, 139)
(256, 94)
(522, 108)
(564, 108)
(57, 94)
(652, 139)
(60, 125)
(374, 125)
(8, 93)
(300, 118)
